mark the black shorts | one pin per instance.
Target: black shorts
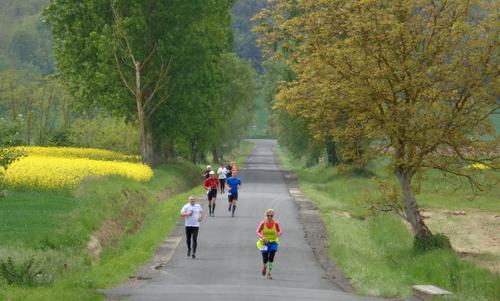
(212, 194)
(232, 196)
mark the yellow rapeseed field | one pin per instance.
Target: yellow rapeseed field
(57, 168)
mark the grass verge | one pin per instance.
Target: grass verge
(376, 252)
(129, 219)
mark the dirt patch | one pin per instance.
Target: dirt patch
(131, 208)
(108, 234)
(473, 234)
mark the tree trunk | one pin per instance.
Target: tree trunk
(215, 154)
(412, 214)
(194, 151)
(170, 149)
(331, 153)
(140, 114)
(149, 146)
(142, 132)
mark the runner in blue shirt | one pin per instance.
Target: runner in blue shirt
(233, 183)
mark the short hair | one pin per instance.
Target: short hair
(192, 198)
(269, 211)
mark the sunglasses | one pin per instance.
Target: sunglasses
(270, 215)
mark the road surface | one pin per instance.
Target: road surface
(228, 264)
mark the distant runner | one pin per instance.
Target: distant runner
(211, 185)
(222, 171)
(269, 232)
(228, 169)
(193, 215)
(206, 174)
(233, 184)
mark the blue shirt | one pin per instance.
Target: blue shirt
(233, 183)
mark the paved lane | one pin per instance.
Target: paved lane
(228, 265)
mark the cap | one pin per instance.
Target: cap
(209, 167)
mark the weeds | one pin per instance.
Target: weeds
(22, 274)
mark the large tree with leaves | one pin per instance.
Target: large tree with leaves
(114, 54)
(417, 78)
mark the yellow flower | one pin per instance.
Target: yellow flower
(57, 168)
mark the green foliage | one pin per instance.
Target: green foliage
(34, 108)
(104, 132)
(392, 78)
(22, 274)
(245, 44)
(24, 40)
(432, 242)
(205, 84)
(377, 253)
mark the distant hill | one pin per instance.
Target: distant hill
(24, 40)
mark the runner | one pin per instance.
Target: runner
(234, 169)
(233, 184)
(269, 232)
(211, 185)
(206, 174)
(193, 215)
(228, 169)
(222, 177)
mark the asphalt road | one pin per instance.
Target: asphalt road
(228, 264)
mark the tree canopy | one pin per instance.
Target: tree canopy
(191, 36)
(413, 79)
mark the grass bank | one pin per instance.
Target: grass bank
(376, 252)
(127, 219)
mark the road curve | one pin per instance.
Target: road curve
(228, 265)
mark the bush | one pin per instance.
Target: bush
(22, 274)
(431, 242)
(104, 132)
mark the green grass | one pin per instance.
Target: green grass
(55, 227)
(376, 253)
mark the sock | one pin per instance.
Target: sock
(213, 208)
(234, 208)
(270, 266)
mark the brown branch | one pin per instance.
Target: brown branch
(159, 83)
(121, 73)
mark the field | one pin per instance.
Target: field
(125, 218)
(45, 168)
(376, 252)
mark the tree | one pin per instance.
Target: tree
(146, 94)
(104, 60)
(414, 79)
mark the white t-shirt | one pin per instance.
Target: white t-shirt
(193, 220)
(222, 171)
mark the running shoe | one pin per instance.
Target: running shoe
(269, 276)
(193, 256)
(264, 269)
(189, 253)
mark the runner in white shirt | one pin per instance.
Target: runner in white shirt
(193, 215)
(222, 171)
